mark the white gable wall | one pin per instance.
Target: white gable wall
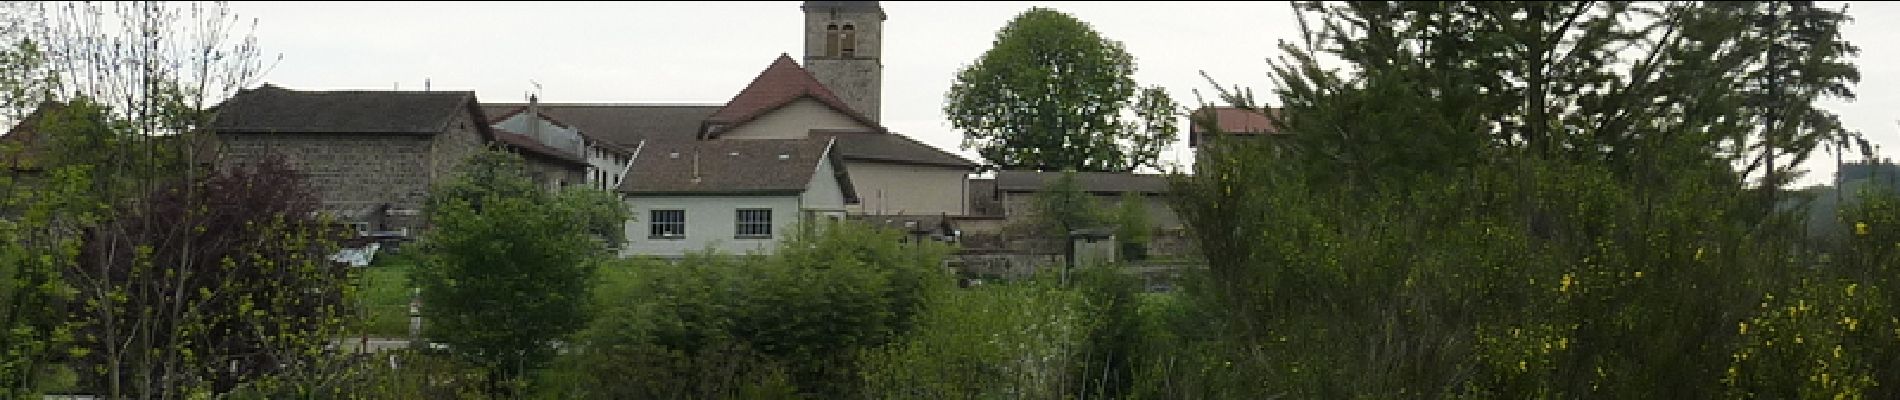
(893, 189)
(823, 193)
(795, 120)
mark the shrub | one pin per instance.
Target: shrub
(757, 326)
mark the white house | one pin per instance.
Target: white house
(731, 196)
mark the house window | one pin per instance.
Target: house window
(668, 224)
(754, 223)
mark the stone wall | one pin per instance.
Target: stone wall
(457, 144)
(356, 174)
(856, 81)
(857, 78)
(352, 174)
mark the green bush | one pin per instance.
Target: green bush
(1018, 340)
(756, 326)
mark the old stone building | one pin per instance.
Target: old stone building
(844, 43)
(371, 156)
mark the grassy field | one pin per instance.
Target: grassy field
(382, 297)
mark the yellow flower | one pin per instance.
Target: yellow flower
(1566, 284)
(1698, 254)
(1860, 228)
(1744, 328)
(1850, 289)
(1639, 274)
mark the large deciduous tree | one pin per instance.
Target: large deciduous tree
(1534, 199)
(1053, 94)
(115, 213)
(508, 266)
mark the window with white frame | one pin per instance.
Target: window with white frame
(668, 224)
(754, 223)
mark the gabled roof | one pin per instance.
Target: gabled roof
(527, 144)
(1100, 182)
(891, 147)
(1228, 121)
(499, 114)
(272, 109)
(625, 125)
(781, 83)
(743, 167)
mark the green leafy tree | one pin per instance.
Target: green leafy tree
(126, 85)
(1062, 207)
(1053, 94)
(1512, 200)
(506, 269)
(1132, 227)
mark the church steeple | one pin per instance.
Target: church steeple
(843, 46)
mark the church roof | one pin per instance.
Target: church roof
(780, 84)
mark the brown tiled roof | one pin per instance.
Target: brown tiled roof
(759, 166)
(625, 125)
(272, 109)
(1228, 121)
(527, 144)
(1105, 182)
(891, 147)
(778, 85)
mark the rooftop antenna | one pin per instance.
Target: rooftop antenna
(425, 84)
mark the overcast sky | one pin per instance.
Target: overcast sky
(686, 52)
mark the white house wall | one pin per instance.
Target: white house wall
(792, 121)
(823, 193)
(890, 189)
(710, 223)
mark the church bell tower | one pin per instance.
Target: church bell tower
(843, 46)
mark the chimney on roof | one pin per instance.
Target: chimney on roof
(695, 166)
(534, 118)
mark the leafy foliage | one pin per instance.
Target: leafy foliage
(1490, 202)
(205, 283)
(722, 326)
(507, 267)
(1053, 94)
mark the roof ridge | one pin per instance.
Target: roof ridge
(780, 84)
